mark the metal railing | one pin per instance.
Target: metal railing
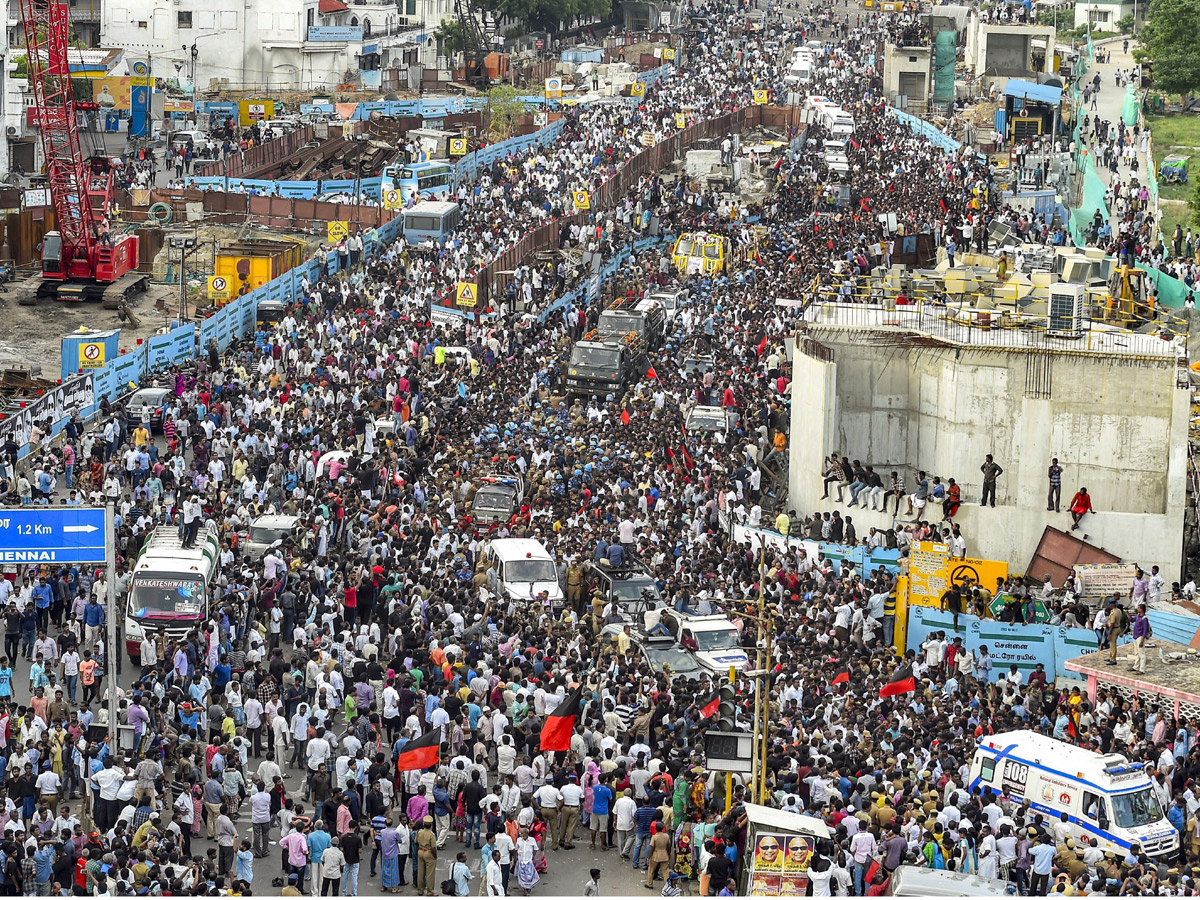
(990, 328)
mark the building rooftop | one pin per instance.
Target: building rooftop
(958, 325)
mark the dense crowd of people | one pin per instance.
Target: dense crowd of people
(275, 726)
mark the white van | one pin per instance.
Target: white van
(801, 72)
(718, 644)
(670, 301)
(916, 881)
(837, 121)
(1104, 796)
(524, 570)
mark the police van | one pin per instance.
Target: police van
(523, 571)
(1104, 795)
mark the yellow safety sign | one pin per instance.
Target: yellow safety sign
(647, 138)
(336, 231)
(680, 120)
(637, 89)
(219, 288)
(468, 293)
(458, 146)
(583, 200)
(391, 200)
(91, 355)
(553, 88)
(760, 98)
(668, 53)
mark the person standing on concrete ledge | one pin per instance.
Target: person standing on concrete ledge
(1054, 497)
(991, 471)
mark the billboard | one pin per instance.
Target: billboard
(335, 33)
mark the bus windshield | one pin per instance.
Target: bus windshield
(175, 595)
(1136, 808)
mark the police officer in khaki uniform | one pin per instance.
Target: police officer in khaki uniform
(575, 586)
(426, 857)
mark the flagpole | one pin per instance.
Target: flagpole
(762, 703)
(729, 775)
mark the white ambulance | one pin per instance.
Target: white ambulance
(1105, 796)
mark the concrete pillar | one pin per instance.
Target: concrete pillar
(814, 428)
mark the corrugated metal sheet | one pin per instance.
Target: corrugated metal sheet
(1173, 626)
(1038, 93)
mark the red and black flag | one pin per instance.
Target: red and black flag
(901, 683)
(842, 676)
(421, 753)
(711, 706)
(560, 724)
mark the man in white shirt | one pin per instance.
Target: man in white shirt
(572, 808)
(495, 876)
(624, 809)
(502, 853)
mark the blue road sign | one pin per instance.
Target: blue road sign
(52, 534)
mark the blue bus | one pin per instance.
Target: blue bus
(419, 181)
(431, 220)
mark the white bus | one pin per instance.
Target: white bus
(170, 587)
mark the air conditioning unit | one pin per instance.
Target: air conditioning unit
(12, 131)
(1066, 308)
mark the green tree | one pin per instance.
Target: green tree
(1169, 36)
(548, 15)
(449, 36)
(505, 109)
(1125, 24)
(1194, 203)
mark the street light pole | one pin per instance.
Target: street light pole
(110, 620)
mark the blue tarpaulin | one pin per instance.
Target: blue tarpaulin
(1038, 93)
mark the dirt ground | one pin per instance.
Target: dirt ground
(32, 335)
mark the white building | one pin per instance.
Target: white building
(265, 44)
(1103, 15)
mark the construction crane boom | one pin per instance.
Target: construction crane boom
(81, 259)
(46, 43)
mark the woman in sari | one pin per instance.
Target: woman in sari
(537, 831)
(683, 851)
(591, 777)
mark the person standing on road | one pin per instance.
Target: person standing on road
(426, 842)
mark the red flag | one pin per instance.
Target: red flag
(762, 345)
(560, 724)
(842, 676)
(687, 457)
(711, 706)
(625, 417)
(421, 753)
(901, 683)
(650, 373)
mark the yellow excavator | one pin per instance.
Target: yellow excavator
(1129, 303)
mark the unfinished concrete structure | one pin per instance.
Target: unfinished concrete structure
(912, 388)
(1003, 51)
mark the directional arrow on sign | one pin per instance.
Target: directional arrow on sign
(86, 529)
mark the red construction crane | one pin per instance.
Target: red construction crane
(82, 260)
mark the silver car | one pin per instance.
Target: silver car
(266, 531)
